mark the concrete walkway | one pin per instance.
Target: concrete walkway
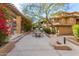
(73, 52)
(31, 46)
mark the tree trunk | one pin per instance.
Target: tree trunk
(49, 21)
(51, 24)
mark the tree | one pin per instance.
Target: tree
(42, 10)
(26, 25)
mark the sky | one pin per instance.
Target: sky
(17, 5)
(72, 7)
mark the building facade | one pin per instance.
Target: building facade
(13, 17)
(64, 21)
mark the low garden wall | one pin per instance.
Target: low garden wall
(7, 48)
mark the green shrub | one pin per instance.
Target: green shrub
(26, 25)
(47, 30)
(53, 31)
(3, 38)
(75, 29)
(50, 31)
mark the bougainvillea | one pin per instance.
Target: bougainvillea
(3, 27)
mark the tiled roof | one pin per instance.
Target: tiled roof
(67, 14)
(15, 10)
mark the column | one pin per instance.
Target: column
(18, 24)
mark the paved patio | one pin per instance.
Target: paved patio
(31, 46)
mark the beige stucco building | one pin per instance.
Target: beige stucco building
(15, 15)
(64, 21)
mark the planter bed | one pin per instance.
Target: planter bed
(61, 47)
(10, 45)
(27, 32)
(6, 48)
(74, 41)
(48, 35)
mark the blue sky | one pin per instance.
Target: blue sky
(18, 6)
(72, 7)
